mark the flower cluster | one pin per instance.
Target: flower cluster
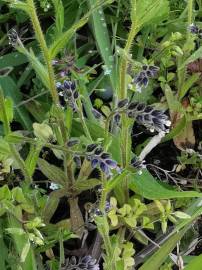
(81, 263)
(68, 91)
(195, 30)
(142, 78)
(95, 210)
(149, 117)
(98, 158)
(138, 164)
(13, 37)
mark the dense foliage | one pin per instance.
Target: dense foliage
(100, 139)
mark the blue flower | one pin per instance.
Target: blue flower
(98, 158)
(142, 78)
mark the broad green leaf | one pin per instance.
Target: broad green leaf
(11, 90)
(12, 59)
(53, 173)
(43, 132)
(145, 12)
(156, 260)
(87, 184)
(5, 193)
(148, 187)
(195, 263)
(18, 195)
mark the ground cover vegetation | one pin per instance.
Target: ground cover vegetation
(100, 134)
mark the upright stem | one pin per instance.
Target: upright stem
(125, 134)
(44, 48)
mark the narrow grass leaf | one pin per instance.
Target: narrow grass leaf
(64, 38)
(103, 42)
(156, 260)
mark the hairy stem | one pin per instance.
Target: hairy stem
(44, 48)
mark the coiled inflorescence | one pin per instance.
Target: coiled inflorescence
(195, 30)
(68, 91)
(149, 117)
(142, 78)
(145, 115)
(82, 263)
(98, 158)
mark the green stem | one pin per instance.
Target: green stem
(125, 134)
(44, 48)
(4, 114)
(81, 116)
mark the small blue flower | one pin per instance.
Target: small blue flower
(142, 78)
(98, 158)
(68, 91)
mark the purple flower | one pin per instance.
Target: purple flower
(68, 91)
(81, 263)
(142, 78)
(148, 116)
(100, 159)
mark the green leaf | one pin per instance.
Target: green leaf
(196, 55)
(5, 193)
(18, 195)
(148, 187)
(59, 15)
(181, 215)
(176, 130)
(103, 41)
(188, 84)
(52, 204)
(4, 147)
(195, 263)
(111, 184)
(12, 59)
(9, 110)
(16, 231)
(173, 103)
(11, 90)
(83, 185)
(53, 173)
(39, 68)
(64, 38)
(156, 260)
(32, 158)
(146, 12)
(25, 251)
